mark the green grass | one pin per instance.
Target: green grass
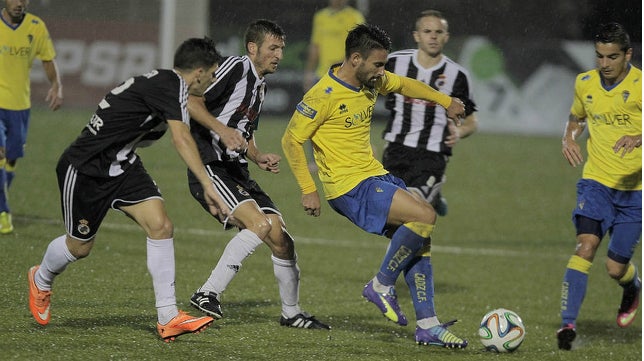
(505, 243)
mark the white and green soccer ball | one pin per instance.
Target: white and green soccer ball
(501, 330)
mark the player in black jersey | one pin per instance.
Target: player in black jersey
(101, 170)
(419, 134)
(230, 111)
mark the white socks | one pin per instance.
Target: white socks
(287, 273)
(379, 287)
(237, 249)
(160, 260)
(54, 262)
(428, 322)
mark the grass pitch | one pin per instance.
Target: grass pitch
(504, 243)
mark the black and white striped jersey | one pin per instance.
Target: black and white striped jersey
(416, 123)
(235, 99)
(134, 114)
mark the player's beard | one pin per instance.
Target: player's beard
(17, 14)
(366, 79)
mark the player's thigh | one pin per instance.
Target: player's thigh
(257, 210)
(594, 202)
(407, 208)
(267, 206)
(230, 179)
(624, 240)
(139, 197)
(151, 215)
(249, 215)
(625, 237)
(3, 132)
(84, 200)
(16, 124)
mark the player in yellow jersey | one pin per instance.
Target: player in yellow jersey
(336, 116)
(608, 100)
(23, 37)
(330, 27)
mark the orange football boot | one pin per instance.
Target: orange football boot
(183, 323)
(39, 301)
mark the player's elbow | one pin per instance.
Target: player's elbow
(287, 143)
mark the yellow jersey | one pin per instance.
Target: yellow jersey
(610, 114)
(336, 117)
(18, 48)
(329, 31)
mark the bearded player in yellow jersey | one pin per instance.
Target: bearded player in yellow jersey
(608, 100)
(336, 116)
(23, 37)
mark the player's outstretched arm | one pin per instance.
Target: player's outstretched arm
(416, 89)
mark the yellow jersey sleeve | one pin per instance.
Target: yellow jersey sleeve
(306, 119)
(412, 88)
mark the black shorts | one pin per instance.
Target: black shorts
(235, 186)
(414, 166)
(85, 200)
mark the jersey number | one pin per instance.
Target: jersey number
(126, 84)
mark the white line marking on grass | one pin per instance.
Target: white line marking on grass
(348, 243)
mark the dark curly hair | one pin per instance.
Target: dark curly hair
(364, 38)
(613, 33)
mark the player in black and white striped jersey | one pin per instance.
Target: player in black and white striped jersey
(223, 124)
(420, 136)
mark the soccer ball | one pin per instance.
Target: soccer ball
(501, 330)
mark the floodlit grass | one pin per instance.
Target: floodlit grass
(505, 243)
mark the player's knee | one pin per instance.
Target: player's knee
(618, 266)
(587, 245)
(615, 270)
(79, 249)
(160, 228)
(429, 213)
(261, 226)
